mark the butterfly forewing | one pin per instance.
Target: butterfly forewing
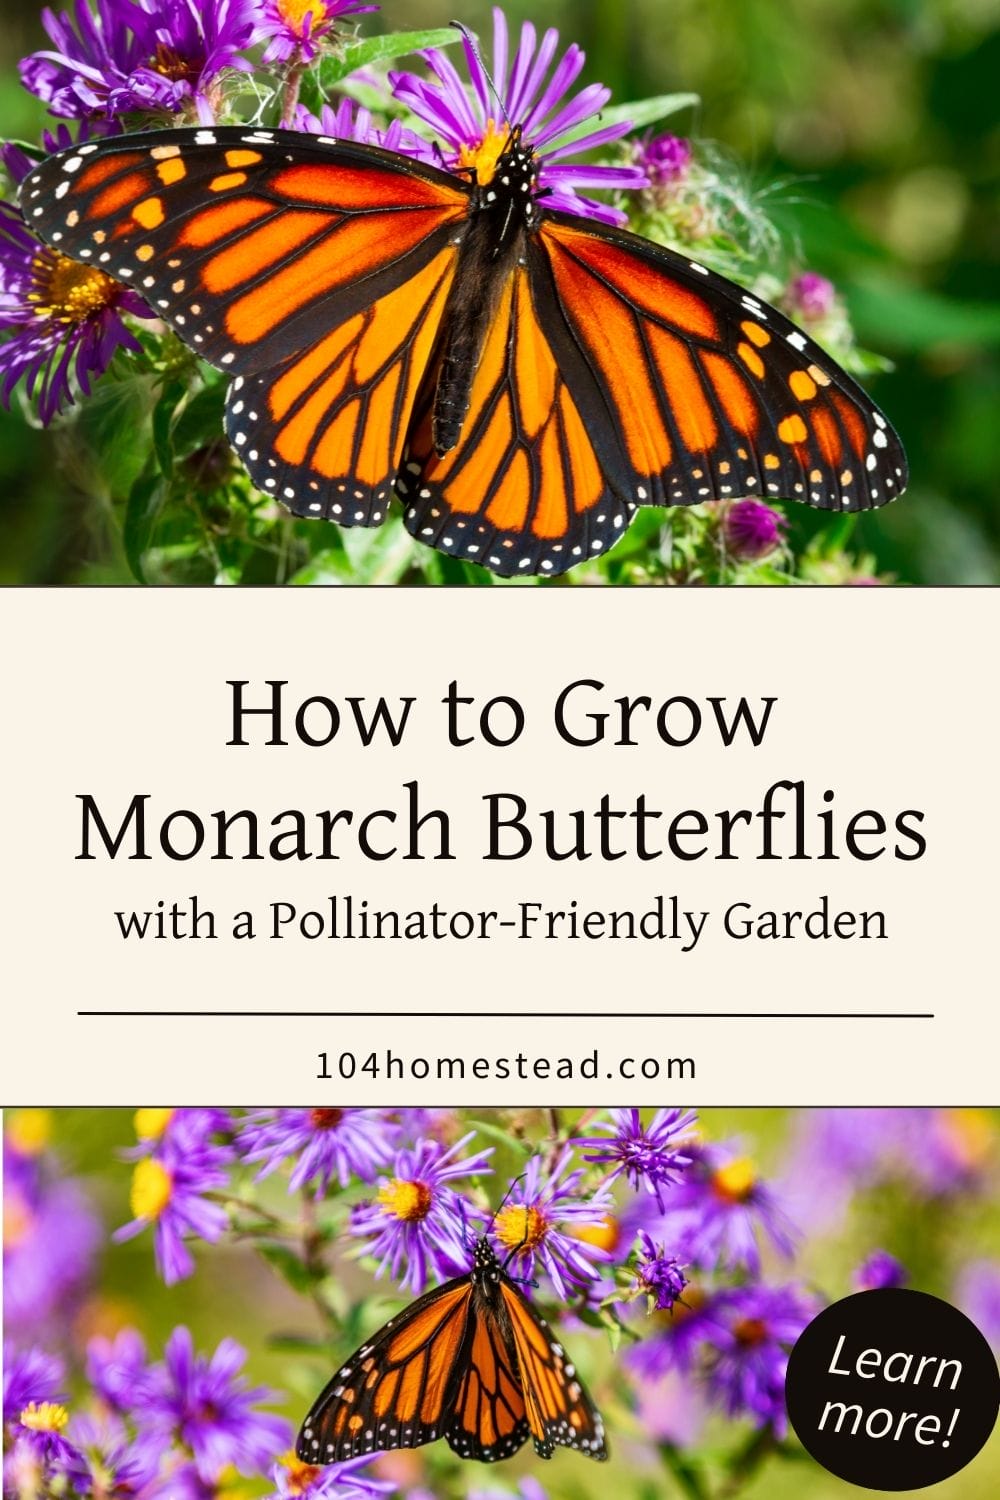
(398, 1390)
(715, 394)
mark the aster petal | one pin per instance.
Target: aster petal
(565, 75)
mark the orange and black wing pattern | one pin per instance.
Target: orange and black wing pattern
(399, 1390)
(489, 1420)
(524, 490)
(703, 391)
(314, 271)
(559, 1410)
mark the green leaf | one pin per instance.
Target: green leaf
(288, 1265)
(145, 501)
(110, 437)
(640, 114)
(164, 414)
(200, 421)
(373, 50)
(502, 1138)
(907, 317)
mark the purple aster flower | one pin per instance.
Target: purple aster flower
(716, 1213)
(328, 1144)
(810, 297)
(30, 1377)
(470, 137)
(329, 1482)
(752, 530)
(40, 1448)
(650, 1156)
(208, 1407)
(978, 1293)
(63, 319)
(152, 55)
(117, 1369)
(417, 1226)
(537, 1228)
(664, 159)
(50, 1238)
(182, 1132)
(295, 28)
(658, 1276)
(350, 122)
(119, 1465)
(168, 1194)
(755, 1329)
(880, 1269)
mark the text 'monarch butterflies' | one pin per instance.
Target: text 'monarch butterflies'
(470, 1362)
(520, 378)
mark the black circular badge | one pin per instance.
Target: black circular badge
(892, 1389)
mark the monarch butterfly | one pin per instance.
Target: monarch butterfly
(470, 1361)
(523, 379)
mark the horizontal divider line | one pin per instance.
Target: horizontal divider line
(545, 1015)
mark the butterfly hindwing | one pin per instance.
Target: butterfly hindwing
(523, 491)
(488, 1421)
(559, 1410)
(715, 394)
(397, 1390)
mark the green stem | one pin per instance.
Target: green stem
(689, 1478)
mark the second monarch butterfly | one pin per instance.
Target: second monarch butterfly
(522, 378)
(470, 1362)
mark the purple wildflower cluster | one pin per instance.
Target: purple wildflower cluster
(146, 1430)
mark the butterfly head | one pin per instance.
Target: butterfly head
(504, 171)
(485, 1266)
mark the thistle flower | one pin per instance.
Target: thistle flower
(63, 319)
(650, 1156)
(294, 29)
(469, 135)
(537, 1226)
(752, 530)
(664, 159)
(208, 1407)
(327, 1144)
(715, 1214)
(810, 297)
(151, 55)
(417, 1226)
(880, 1269)
(754, 1330)
(351, 122)
(330, 1482)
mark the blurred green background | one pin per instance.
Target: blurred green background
(880, 116)
(234, 1294)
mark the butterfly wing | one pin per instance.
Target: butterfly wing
(559, 1410)
(524, 490)
(489, 1421)
(700, 391)
(398, 1390)
(314, 271)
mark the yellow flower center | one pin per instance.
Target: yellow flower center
(971, 1136)
(294, 12)
(152, 1186)
(150, 1124)
(68, 292)
(30, 1130)
(44, 1416)
(169, 64)
(521, 1228)
(735, 1181)
(408, 1201)
(484, 157)
(18, 1220)
(604, 1236)
(300, 1476)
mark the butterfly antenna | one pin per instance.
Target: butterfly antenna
(503, 1201)
(470, 42)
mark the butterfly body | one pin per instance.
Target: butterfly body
(471, 1362)
(522, 379)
